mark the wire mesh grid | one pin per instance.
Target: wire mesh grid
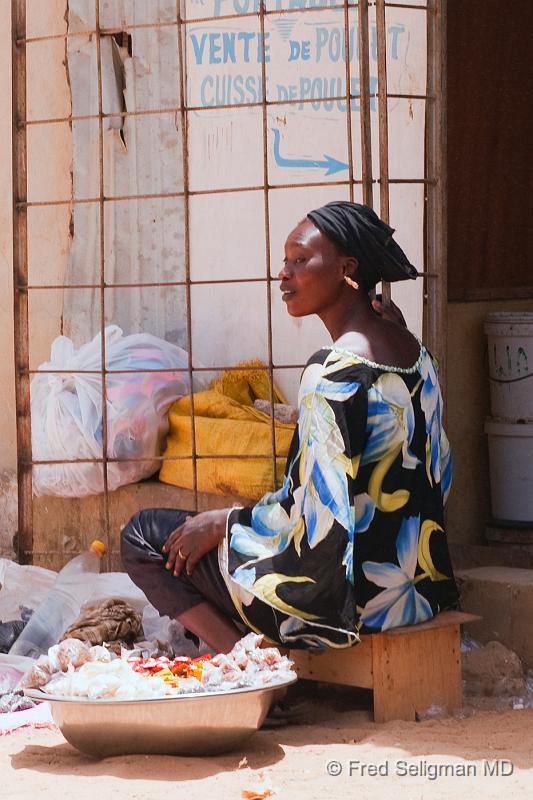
(432, 180)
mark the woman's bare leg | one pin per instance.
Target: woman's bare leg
(210, 619)
(210, 625)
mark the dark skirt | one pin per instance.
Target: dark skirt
(141, 543)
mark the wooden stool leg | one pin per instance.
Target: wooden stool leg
(412, 673)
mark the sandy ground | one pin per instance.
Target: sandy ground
(292, 761)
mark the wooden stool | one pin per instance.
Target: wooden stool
(409, 669)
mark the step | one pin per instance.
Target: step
(503, 596)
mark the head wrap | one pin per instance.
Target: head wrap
(360, 233)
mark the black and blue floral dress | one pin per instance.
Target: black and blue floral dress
(354, 540)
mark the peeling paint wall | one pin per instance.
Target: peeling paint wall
(144, 238)
(49, 173)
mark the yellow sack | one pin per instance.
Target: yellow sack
(227, 424)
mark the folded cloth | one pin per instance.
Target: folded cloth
(112, 621)
(246, 382)
(38, 717)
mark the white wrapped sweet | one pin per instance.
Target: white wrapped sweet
(102, 675)
(247, 665)
(113, 679)
(102, 654)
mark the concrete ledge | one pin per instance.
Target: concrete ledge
(470, 556)
(503, 596)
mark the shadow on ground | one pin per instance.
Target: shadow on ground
(327, 716)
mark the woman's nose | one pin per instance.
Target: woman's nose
(284, 272)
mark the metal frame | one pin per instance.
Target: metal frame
(436, 206)
(434, 274)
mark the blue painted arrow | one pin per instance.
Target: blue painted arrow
(330, 164)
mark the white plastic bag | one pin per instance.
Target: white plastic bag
(66, 411)
(170, 631)
(22, 585)
(121, 586)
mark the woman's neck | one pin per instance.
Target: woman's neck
(349, 316)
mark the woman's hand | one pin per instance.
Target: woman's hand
(391, 312)
(197, 536)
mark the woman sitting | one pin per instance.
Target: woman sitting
(354, 540)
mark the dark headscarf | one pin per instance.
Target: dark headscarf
(360, 233)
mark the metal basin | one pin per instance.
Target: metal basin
(195, 724)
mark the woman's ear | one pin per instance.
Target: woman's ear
(351, 268)
(351, 272)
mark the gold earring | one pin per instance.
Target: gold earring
(351, 282)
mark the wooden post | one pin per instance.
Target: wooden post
(24, 537)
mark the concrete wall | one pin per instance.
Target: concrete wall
(468, 405)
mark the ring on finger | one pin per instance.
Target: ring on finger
(182, 555)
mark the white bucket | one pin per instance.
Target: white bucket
(510, 350)
(511, 469)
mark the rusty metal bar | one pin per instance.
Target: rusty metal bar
(348, 96)
(217, 107)
(110, 31)
(185, 158)
(101, 254)
(154, 285)
(436, 193)
(135, 459)
(164, 284)
(24, 537)
(264, 121)
(383, 122)
(183, 21)
(201, 192)
(364, 87)
(74, 286)
(238, 367)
